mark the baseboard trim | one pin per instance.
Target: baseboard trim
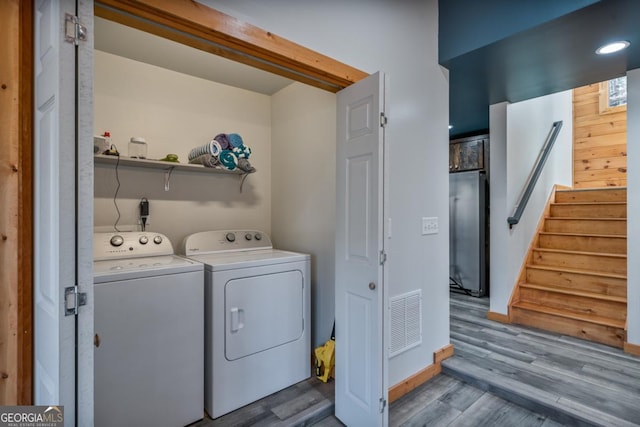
(632, 349)
(403, 387)
(498, 317)
(442, 354)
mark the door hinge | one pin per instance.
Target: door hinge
(73, 30)
(383, 257)
(383, 404)
(73, 300)
(383, 120)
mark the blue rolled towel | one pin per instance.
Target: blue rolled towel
(235, 140)
(228, 160)
(223, 141)
(242, 152)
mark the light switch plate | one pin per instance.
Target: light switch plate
(429, 225)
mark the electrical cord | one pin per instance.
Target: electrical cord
(115, 196)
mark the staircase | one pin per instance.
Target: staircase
(574, 281)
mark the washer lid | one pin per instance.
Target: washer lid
(125, 269)
(246, 259)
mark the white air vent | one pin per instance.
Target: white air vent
(406, 322)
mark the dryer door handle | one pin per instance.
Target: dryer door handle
(237, 319)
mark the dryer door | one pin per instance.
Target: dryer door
(263, 312)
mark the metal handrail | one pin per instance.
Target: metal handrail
(535, 174)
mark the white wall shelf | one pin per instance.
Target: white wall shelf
(167, 167)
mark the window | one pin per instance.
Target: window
(613, 95)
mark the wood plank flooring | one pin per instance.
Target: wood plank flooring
(573, 381)
(501, 375)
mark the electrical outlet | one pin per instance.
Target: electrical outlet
(429, 225)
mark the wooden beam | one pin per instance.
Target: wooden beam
(201, 27)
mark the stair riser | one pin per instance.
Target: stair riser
(581, 282)
(583, 262)
(575, 304)
(589, 331)
(610, 245)
(612, 227)
(589, 211)
(617, 195)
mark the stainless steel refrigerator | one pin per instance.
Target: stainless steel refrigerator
(468, 232)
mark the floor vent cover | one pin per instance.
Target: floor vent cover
(406, 322)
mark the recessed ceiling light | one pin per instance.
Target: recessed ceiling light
(450, 126)
(612, 47)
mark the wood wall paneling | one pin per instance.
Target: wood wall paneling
(15, 199)
(599, 142)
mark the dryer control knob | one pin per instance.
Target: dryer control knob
(258, 236)
(231, 237)
(143, 240)
(116, 240)
(248, 236)
(157, 240)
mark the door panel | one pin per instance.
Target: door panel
(54, 207)
(360, 355)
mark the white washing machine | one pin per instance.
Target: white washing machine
(257, 327)
(149, 326)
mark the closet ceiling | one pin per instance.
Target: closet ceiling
(128, 42)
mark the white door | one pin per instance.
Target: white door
(361, 383)
(62, 237)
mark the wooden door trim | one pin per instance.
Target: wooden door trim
(16, 217)
(201, 27)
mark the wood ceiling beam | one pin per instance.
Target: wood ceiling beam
(201, 27)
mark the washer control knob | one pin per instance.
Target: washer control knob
(157, 240)
(116, 240)
(248, 236)
(258, 236)
(143, 240)
(231, 237)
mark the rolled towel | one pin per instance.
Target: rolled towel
(242, 152)
(228, 160)
(213, 148)
(222, 139)
(235, 140)
(206, 160)
(244, 165)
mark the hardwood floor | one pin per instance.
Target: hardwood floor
(302, 404)
(501, 375)
(573, 381)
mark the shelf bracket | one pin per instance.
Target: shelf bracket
(167, 178)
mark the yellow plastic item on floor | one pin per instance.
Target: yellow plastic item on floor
(325, 360)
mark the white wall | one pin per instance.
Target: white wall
(176, 112)
(633, 206)
(303, 196)
(518, 132)
(399, 37)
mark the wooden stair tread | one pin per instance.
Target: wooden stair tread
(573, 292)
(570, 315)
(582, 190)
(572, 218)
(558, 233)
(588, 203)
(577, 271)
(564, 251)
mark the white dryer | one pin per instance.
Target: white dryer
(149, 326)
(257, 327)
